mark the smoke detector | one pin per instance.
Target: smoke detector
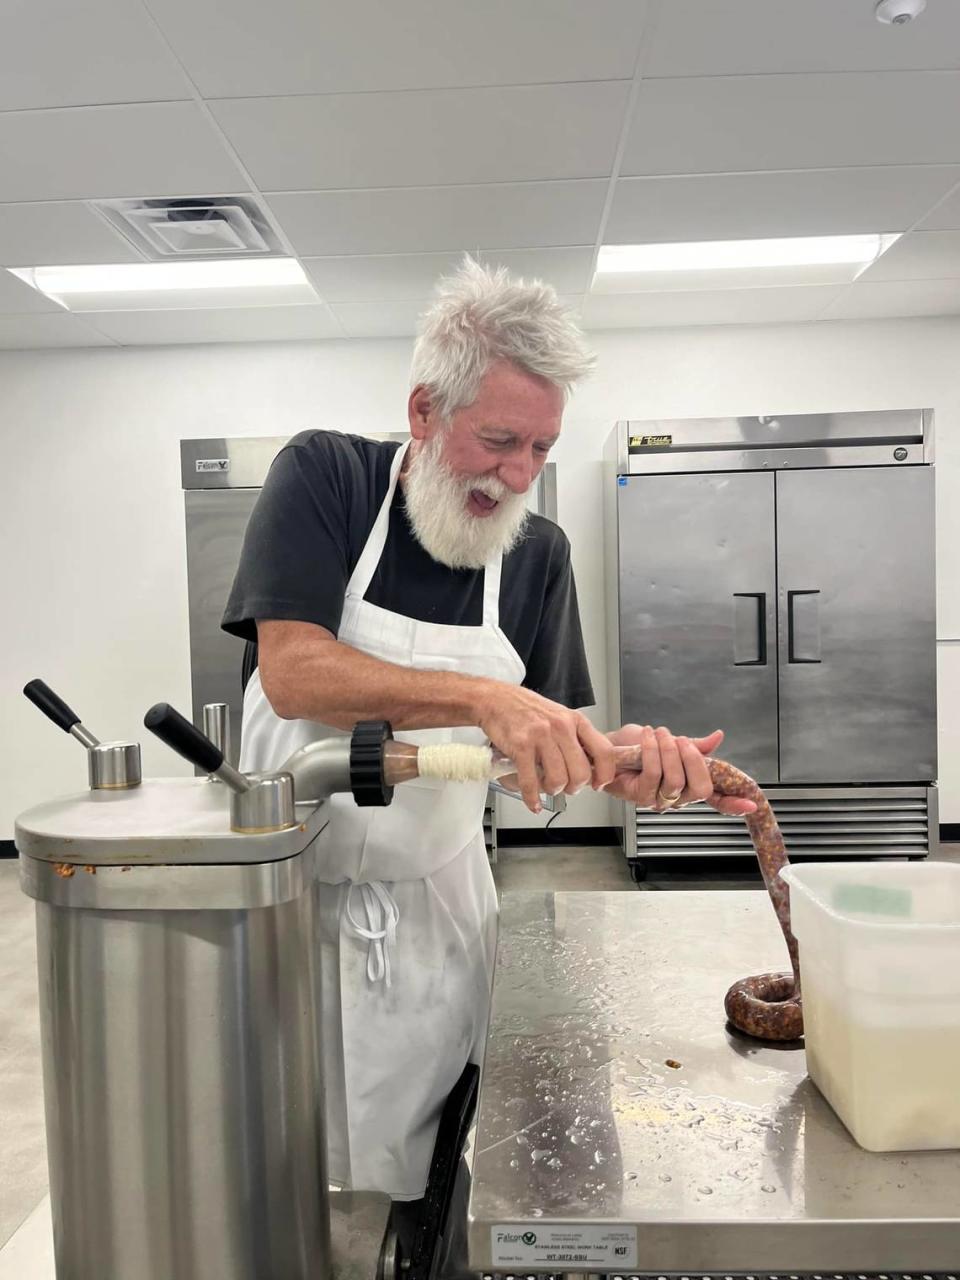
(898, 12)
(193, 228)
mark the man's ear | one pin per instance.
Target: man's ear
(419, 411)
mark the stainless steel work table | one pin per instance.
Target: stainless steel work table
(588, 1142)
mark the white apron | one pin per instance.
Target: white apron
(406, 905)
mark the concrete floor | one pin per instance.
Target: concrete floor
(25, 1241)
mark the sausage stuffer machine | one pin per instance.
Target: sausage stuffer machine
(178, 990)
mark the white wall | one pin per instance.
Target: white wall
(92, 572)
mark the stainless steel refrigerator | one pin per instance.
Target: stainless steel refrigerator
(774, 577)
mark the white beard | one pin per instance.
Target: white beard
(443, 525)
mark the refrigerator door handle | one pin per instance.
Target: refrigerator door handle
(803, 628)
(744, 622)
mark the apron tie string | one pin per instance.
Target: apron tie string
(383, 916)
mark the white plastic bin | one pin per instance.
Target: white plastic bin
(880, 971)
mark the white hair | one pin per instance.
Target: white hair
(481, 314)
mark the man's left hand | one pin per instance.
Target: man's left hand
(674, 772)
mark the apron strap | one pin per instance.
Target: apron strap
(366, 566)
(491, 592)
(383, 916)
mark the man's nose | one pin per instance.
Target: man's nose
(518, 473)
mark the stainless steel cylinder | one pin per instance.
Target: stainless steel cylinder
(114, 766)
(216, 725)
(182, 1076)
(267, 806)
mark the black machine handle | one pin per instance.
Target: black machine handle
(761, 598)
(792, 655)
(186, 739)
(51, 704)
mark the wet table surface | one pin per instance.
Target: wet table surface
(623, 1125)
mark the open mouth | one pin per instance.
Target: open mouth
(481, 503)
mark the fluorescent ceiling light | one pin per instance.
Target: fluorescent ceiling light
(150, 286)
(737, 264)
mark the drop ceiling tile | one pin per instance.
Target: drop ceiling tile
(17, 298)
(58, 234)
(922, 255)
(946, 217)
(234, 324)
(394, 319)
(897, 298)
(733, 306)
(441, 137)
(704, 38)
(441, 219)
(384, 278)
(289, 47)
(750, 123)
(24, 333)
(568, 270)
(402, 277)
(149, 149)
(755, 205)
(60, 53)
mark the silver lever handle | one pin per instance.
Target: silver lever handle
(260, 803)
(111, 766)
(187, 740)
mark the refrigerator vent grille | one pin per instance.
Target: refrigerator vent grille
(828, 826)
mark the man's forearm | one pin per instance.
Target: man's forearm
(334, 684)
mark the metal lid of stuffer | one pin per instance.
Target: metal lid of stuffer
(165, 820)
(179, 822)
(166, 846)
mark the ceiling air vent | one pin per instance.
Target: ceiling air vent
(201, 227)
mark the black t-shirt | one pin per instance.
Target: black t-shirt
(308, 529)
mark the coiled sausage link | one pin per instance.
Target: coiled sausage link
(768, 1006)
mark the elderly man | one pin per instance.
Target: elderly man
(409, 583)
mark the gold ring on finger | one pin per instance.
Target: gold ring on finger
(669, 801)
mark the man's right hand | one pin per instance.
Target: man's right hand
(555, 749)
